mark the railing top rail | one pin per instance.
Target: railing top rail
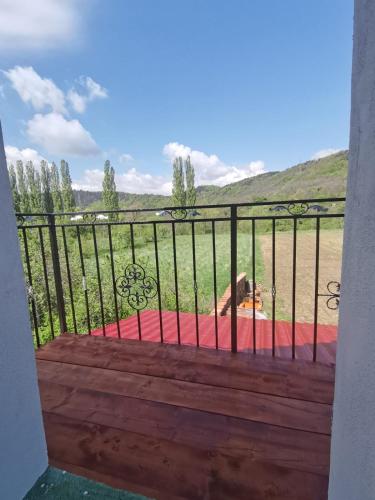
(187, 207)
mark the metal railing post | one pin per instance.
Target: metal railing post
(233, 275)
(57, 274)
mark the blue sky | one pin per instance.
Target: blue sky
(244, 86)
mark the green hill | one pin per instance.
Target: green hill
(313, 179)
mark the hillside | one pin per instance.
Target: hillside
(313, 179)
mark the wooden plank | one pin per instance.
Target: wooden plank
(296, 379)
(275, 410)
(237, 438)
(202, 354)
(173, 469)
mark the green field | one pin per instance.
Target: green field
(145, 256)
(144, 248)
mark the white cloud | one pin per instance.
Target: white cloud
(125, 158)
(95, 90)
(324, 152)
(131, 181)
(92, 90)
(55, 133)
(60, 136)
(32, 88)
(13, 154)
(43, 93)
(77, 101)
(38, 24)
(209, 169)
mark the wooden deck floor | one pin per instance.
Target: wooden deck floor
(176, 422)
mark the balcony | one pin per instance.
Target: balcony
(189, 353)
(181, 422)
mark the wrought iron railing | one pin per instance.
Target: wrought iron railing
(90, 270)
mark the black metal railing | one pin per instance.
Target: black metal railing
(90, 270)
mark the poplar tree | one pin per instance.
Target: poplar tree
(38, 191)
(14, 188)
(191, 194)
(178, 184)
(45, 177)
(56, 189)
(33, 187)
(109, 193)
(66, 188)
(22, 188)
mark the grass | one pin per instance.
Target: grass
(145, 255)
(329, 270)
(330, 263)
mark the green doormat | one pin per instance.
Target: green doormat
(56, 484)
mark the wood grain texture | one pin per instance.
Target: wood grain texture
(173, 469)
(285, 447)
(274, 410)
(297, 380)
(179, 423)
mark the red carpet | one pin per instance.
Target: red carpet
(150, 331)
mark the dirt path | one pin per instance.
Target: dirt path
(330, 270)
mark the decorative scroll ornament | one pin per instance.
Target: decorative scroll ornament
(136, 286)
(333, 300)
(21, 219)
(179, 213)
(298, 208)
(89, 217)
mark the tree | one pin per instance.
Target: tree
(178, 183)
(22, 188)
(14, 188)
(109, 193)
(66, 187)
(191, 194)
(45, 176)
(38, 191)
(56, 189)
(33, 187)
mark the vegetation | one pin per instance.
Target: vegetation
(145, 256)
(45, 188)
(191, 194)
(40, 190)
(183, 183)
(55, 189)
(13, 187)
(22, 188)
(322, 178)
(109, 193)
(51, 190)
(66, 188)
(178, 184)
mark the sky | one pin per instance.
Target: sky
(242, 86)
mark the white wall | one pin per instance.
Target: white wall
(352, 475)
(23, 455)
